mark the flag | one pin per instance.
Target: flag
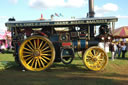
(61, 15)
(56, 15)
(41, 17)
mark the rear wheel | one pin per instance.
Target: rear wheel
(95, 58)
(36, 53)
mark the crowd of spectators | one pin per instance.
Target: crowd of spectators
(118, 49)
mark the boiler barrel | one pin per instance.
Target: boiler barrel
(83, 44)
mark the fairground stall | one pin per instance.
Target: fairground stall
(5, 40)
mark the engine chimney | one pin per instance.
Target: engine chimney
(91, 9)
(91, 15)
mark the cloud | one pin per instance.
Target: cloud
(40, 4)
(107, 8)
(75, 3)
(3, 19)
(110, 7)
(122, 17)
(14, 1)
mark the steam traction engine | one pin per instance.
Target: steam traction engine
(37, 44)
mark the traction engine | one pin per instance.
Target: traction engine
(37, 44)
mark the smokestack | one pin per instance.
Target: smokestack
(91, 9)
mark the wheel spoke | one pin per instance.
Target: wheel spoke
(46, 58)
(43, 60)
(36, 64)
(90, 65)
(90, 54)
(26, 56)
(28, 52)
(33, 62)
(88, 59)
(40, 44)
(99, 65)
(45, 48)
(98, 56)
(30, 61)
(43, 45)
(45, 54)
(100, 59)
(39, 62)
(27, 49)
(46, 51)
(31, 44)
(102, 54)
(97, 52)
(35, 44)
(95, 63)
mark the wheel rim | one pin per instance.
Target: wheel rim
(36, 53)
(67, 59)
(95, 58)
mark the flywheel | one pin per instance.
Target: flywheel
(67, 55)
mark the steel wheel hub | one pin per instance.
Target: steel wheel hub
(94, 59)
(36, 53)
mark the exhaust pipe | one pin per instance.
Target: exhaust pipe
(91, 9)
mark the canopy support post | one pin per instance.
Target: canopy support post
(113, 27)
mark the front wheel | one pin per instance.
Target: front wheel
(95, 58)
(36, 53)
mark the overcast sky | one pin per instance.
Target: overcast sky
(32, 9)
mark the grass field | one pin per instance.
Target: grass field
(116, 73)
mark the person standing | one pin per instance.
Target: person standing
(3, 47)
(124, 40)
(124, 49)
(111, 48)
(119, 49)
(106, 46)
(115, 49)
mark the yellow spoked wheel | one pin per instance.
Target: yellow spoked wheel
(36, 53)
(95, 58)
